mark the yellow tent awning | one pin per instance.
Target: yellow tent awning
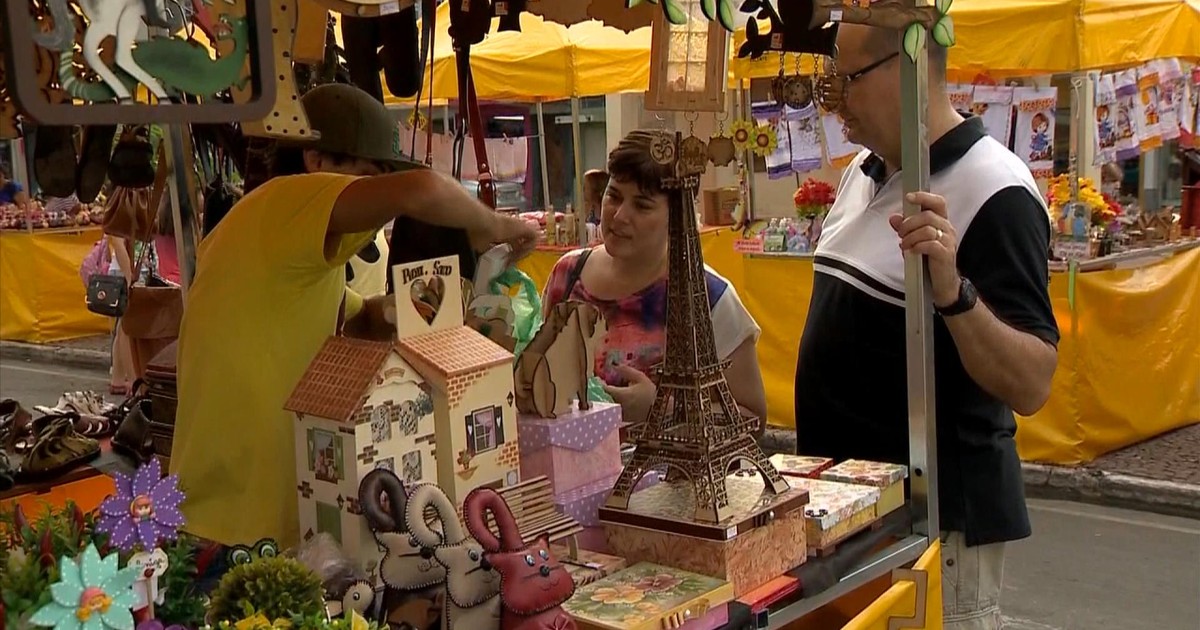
(543, 61)
(1033, 37)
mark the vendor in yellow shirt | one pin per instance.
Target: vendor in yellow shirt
(268, 288)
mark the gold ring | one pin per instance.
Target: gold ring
(939, 233)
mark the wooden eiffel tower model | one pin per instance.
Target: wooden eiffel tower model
(694, 426)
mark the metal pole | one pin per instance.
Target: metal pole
(743, 103)
(918, 305)
(181, 187)
(580, 225)
(541, 125)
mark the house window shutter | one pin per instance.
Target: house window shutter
(499, 425)
(471, 433)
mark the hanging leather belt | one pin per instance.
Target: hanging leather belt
(428, 29)
(470, 121)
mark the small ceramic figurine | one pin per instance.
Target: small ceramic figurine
(533, 584)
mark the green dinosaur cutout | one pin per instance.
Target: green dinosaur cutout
(90, 91)
(186, 66)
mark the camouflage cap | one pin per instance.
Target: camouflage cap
(351, 122)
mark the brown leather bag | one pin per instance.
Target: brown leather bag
(130, 212)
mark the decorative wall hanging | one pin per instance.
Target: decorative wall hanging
(174, 70)
(789, 29)
(721, 148)
(687, 60)
(285, 117)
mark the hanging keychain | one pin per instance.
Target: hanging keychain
(693, 152)
(721, 149)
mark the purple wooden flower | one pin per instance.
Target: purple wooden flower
(145, 509)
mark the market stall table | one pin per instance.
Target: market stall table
(43, 296)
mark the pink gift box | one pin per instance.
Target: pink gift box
(583, 503)
(573, 450)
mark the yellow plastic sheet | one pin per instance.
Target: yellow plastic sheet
(1031, 37)
(42, 298)
(545, 61)
(1129, 360)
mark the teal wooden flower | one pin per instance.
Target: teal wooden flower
(91, 594)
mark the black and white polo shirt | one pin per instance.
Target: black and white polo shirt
(851, 393)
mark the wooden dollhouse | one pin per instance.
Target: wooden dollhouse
(359, 406)
(469, 376)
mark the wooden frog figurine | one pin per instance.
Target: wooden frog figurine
(533, 584)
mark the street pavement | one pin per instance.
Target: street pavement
(1085, 568)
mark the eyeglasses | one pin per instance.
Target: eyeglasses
(831, 88)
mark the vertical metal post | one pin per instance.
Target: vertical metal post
(182, 189)
(576, 142)
(918, 304)
(541, 125)
(743, 103)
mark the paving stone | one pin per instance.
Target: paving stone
(1172, 456)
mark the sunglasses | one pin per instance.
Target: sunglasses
(831, 88)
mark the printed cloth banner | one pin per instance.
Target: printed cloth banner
(993, 103)
(1106, 120)
(1170, 97)
(961, 96)
(837, 146)
(1129, 119)
(1150, 133)
(806, 141)
(779, 161)
(1034, 137)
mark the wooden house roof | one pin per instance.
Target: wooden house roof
(338, 379)
(451, 352)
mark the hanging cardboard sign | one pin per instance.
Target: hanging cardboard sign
(1170, 94)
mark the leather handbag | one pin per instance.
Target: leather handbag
(153, 312)
(132, 210)
(131, 164)
(107, 295)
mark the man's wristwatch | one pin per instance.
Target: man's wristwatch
(967, 297)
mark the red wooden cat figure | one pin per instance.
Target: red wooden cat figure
(533, 585)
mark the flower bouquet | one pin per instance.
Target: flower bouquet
(1100, 210)
(813, 198)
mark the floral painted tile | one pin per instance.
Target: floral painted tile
(800, 465)
(642, 595)
(831, 502)
(864, 473)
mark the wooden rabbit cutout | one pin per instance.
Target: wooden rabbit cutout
(533, 585)
(472, 586)
(556, 365)
(407, 567)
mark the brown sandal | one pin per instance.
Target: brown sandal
(58, 448)
(16, 427)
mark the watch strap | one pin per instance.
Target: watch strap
(967, 298)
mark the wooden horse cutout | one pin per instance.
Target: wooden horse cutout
(560, 359)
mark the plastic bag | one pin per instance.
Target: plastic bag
(526, 304)
(596, 391)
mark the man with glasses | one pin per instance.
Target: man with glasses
(985, 232)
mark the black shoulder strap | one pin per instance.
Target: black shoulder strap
(576, 273)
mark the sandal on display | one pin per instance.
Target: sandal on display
(133, 437)
(57, 449)
(6, 473)
(16, 427)
(89, 407)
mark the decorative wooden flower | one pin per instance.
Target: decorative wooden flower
(743, 132)
(765, 140)
(145, 509)
(91, 594)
